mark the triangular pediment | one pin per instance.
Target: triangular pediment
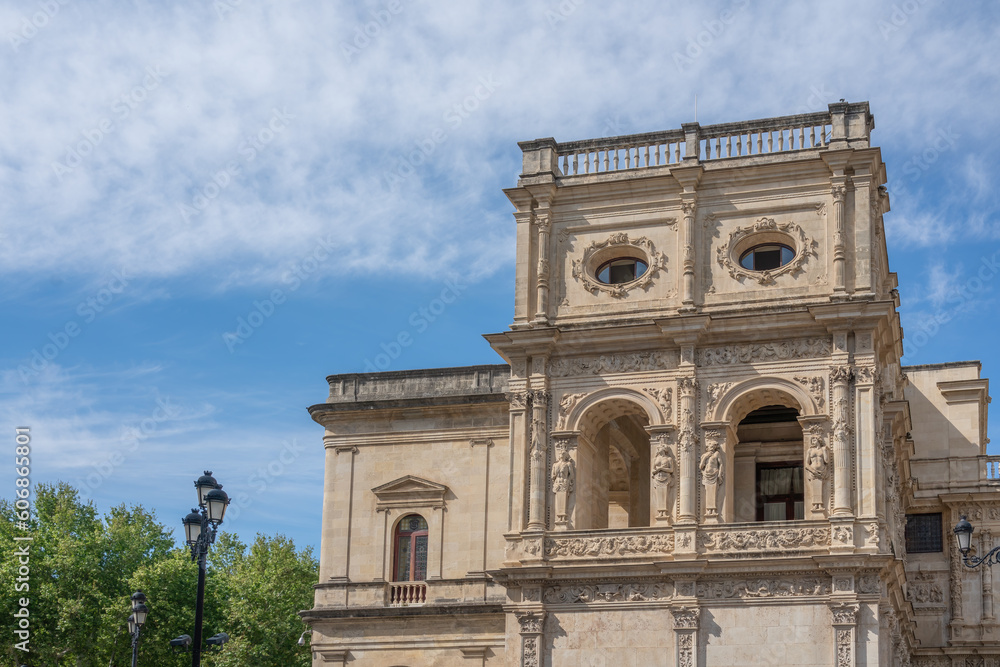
(410, 491)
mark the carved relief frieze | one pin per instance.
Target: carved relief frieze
(632, 362)
(805, 247)
(925, 589)
(869, 584)
(518, 400)
(747, 353)
(604, 593)
(739, 542)
(685, 649)
(584, 265)
(685, 617)
(763, 588)
(588, 547)
(715, 392)
(843, 535)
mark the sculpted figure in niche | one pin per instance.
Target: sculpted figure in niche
(663, 479)
(563, 479)
(817, 464)
(712, 475)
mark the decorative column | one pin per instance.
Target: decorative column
(663, 471)
(687, 446)
(564, 481)
(689, 207)
(520, 439)
(840, 378)
(845, 619)
(839, 192)
(986, 544)
(685, 635)
(955, 575)
(539, 410)
(531, 625)
(544, 224)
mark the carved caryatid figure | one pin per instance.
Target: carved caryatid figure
(711, 467)
(817, 464)
(663, 480)
(563, 480)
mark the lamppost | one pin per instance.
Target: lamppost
(200, 527)
(136, 621)
(963, 532)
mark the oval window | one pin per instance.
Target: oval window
(766, 257)
(621, 270)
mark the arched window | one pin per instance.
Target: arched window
(411, 549)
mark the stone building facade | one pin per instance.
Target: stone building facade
(701, 448)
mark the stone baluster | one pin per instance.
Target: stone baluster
(840, 378)
(539, 415)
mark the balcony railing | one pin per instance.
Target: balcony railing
(407, 593)
(991, 468)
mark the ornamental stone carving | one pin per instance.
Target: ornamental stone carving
(633, 362)
(684, 617)
(715, 392)
(816, 388)
(563, 480)
(925, 589)
(766, 228)
(762, 588)
(584, 547)
(773, 540)
(584, 265)
(712, 466)
(603, 593)
(664, 399)
(518, 400)
(817, 465)
(530, 622)
(566, 404)
(663, 481)
(746, 353)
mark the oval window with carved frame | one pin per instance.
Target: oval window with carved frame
(621, 270)
(766, 257)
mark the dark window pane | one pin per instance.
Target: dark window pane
(622, 273)
(403, 559)
(602, 275)
(923, 533)
(420, 558)
(747, 261)
(786, 255)
(767, 259)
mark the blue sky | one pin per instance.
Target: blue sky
(207, 207)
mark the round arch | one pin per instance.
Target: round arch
(611, 403)
(744, 397)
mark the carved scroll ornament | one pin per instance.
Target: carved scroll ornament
(804, 247)
(584, 265)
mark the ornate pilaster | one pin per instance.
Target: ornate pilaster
(685, 635)
(539, 416)
(986, 544)
(663, 473)
(712, 466)
(564, 480)
(839, 192)
(687, 446)
(840, 378)
(543, 222)
(531, 626)
(520, 445)
(845, 619)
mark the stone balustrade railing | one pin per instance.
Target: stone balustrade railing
(991, 468)
(406, 593)
(844, 125)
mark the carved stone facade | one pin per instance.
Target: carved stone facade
(711, 456)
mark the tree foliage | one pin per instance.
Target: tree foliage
(84, 568)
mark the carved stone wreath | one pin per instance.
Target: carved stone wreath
(584, 266)
(805, 247)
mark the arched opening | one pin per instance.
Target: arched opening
(613, 468)
(410, 549)
(769, 483)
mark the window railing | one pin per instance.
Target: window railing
(403, 593)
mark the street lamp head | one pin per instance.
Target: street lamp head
(205, 484)
(217, 640)
(138, 598)
(302, 637)
(132, 625)
(963, 532)
(192, 527)
(216, 500)
(140, 614)
(181, 643)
